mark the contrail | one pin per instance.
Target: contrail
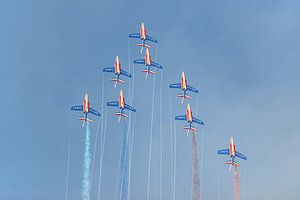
(161, 138)
(102, 148)
(171, 136)
(150, 141)
(175, 162)
(236, 184)
(123, 173)
(196, 178)
(68, 163)
(97, 132)
(86, 181)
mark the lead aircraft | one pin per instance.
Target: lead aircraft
(142, 35)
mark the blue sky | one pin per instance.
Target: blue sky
(243, 56)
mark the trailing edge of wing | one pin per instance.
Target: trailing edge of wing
(128, 107)
(113, 103)
(239, 155)
(78, 108)
(125, 73)
(223, 151)
(139, 61)
(154, 64)
(108, 69)
(134, 35)
(149, 38)
(180, 117)
(198, 121)
(175, 85)
(95, 112)
(190, 88)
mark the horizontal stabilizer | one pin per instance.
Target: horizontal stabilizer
(184, 96)
(149, 71)
(117, 80)
(190, 128)
(121, 114)
(143, 45)
(85, 119)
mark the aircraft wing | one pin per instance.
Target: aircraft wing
(180, 117)
(108, 69)
(198, 121)
(125, 73)
(151, 39)
(154, 64)
(139, 61)
(134, 35)
(239, 155)
(78, 108)
(95, 112)
(128, 107)
(175, 85)
(223, 151)
(113, 103)
(190, 88)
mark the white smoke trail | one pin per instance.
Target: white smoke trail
(150, 141)
(201, 162)
(86, 184)
(68, 163)
(97, 132)
(171, 136)
(102, 148)
(161, 138)
(132, 134)
(174, 164)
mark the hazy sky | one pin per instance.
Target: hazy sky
(243, 57)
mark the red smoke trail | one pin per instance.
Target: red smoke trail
(236, 184)
(196, 178)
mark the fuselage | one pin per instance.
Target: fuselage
(189, 114)
(117, 66)
(232, 147)
(121, 100)
(86, 104)
(183, 82)
(147, 58)
(143, 31)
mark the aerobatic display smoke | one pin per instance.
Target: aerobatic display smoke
(236, 184)
(123, 173)
(86, 181)
(196, 178)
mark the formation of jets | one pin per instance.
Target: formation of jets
(183, 85)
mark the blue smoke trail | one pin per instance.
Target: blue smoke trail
(86, 181)
(123, 173)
